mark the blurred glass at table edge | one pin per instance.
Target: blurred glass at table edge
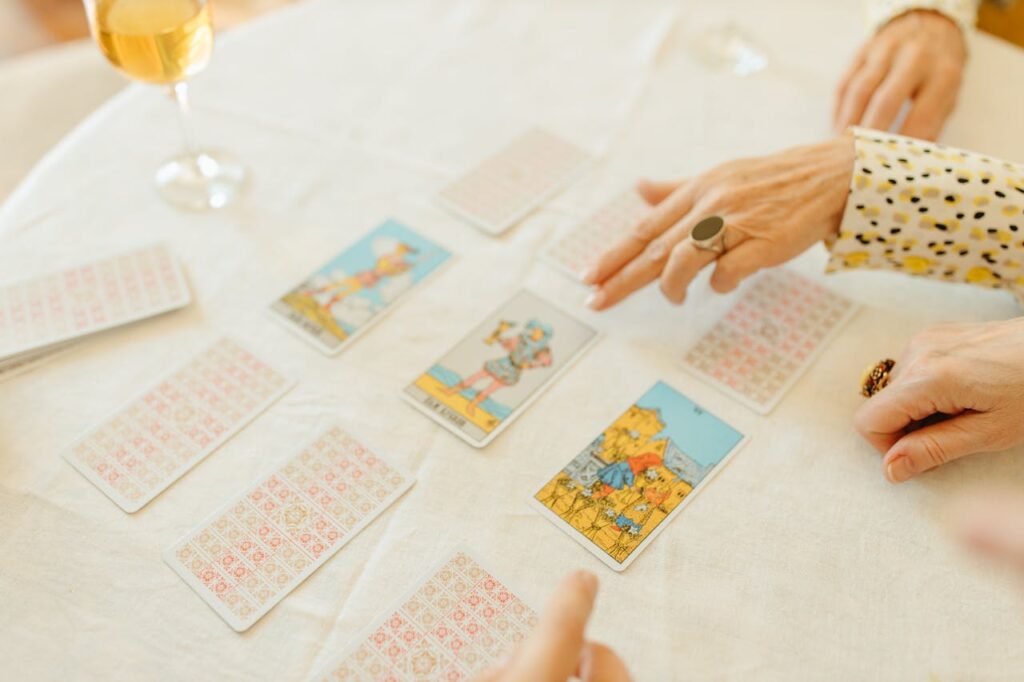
(165, 42)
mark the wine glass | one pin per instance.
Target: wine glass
(166, 42)
(728, 48)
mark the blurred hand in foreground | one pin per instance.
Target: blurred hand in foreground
(558, 649)
(993, 524)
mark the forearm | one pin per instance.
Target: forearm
(934, 211)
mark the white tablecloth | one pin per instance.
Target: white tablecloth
(798, 561)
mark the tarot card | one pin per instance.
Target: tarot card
(355, 288)
(23, 362)
(249, 554)
(490, 377)
(505, 187)
(769, 338)
(49, 309)
(137, 452)
(576, 250)
(457, 622)
(620, 491)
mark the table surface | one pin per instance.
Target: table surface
(797, 561)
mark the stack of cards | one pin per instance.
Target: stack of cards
(459, 621)
(490, 377)
(142, 448)
(769, 338)
(506, 187)
(350, 292)
(257, 548)
(42, 314)
(577, 249)
(621, 490)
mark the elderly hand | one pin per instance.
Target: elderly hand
(971, 373)
(774, 208)
(557, 649)
(918, 56)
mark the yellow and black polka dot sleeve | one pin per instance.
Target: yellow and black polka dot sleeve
(933, 211)
(881, 12)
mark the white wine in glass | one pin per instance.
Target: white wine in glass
(165, 42)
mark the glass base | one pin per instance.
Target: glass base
(729, 49)
(209, 180)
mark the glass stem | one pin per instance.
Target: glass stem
(179, 92)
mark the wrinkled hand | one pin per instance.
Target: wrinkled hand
(974, 373)
(993, 523)
(775, 207)
(557, 648)
(918, 56)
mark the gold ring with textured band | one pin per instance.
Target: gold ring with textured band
(709, 234)
(876, 377)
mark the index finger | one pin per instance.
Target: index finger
(552, 652)
(882, 420)
(660, 218)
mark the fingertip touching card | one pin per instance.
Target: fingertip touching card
(149, 443)
(490, 377)
(769, 338)
(621, 490)
(505, 187)
(40, 312)
(257, 548)
(354, 289)
(455, 623)
(576, 250)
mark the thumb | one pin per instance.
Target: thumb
(936, 444)
(993, 523)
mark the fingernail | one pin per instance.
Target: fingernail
(589, 275)
(900, 468)
(595, 300)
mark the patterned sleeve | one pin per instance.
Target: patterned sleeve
(881, 12)
(934, 211)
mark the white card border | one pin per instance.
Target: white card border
(216, 605)
(529, 401)
(497, 230)
(375, 623)
(131, 507)
(667, 521)
(764, 409)
(58, 340)
(396, 302)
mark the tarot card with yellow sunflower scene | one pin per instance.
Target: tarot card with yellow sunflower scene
(617, 494)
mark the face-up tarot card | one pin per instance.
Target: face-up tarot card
(358, 286)
(505, 187)
(137, 452)
(576, 250)
(622, 490)
(257, 548)
(505, 362)
(458, 621)
(49, 309)
(769, 338)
